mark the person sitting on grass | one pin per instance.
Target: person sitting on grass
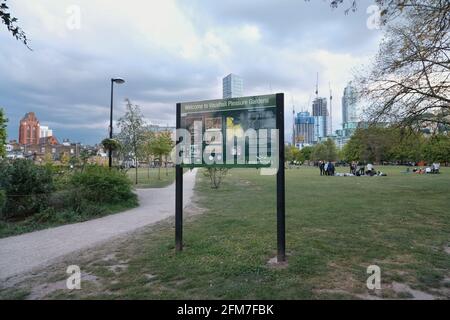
(370, 170)
(435, 167)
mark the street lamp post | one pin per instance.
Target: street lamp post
(118, 81)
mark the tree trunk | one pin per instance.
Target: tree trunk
(159, 169)
(136, 170)
(165, 163)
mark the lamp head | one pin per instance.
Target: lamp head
(118, 80)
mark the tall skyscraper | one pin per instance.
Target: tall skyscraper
(320, 114)
(350, 115)
(304, 128)
(29, 129)
(349, 106)
(233, 86)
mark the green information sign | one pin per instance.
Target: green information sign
(235, 132)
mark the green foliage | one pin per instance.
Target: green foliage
(132, 134)
(307, 151)
(326, 150)
(376, 144)
(215, 175)
(109, 144)
(27, 187)
(407, 145)
(2, 200)
(100, 185)
(11, 23)
(370, 145)
(3, 133)
(437, 149)
(160, 147)
(294, 155)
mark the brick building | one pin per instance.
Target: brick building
(29, 129)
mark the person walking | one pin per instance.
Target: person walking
(321, 167)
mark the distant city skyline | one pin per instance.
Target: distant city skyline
(173, 52)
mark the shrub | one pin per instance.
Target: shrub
(27, 187)
(2, 200)
(102, 185)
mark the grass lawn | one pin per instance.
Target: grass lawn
(336, 228)
(149, 178)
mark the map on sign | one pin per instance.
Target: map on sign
(235, 132)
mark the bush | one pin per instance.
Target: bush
(100, 185)
(2, 200)
(27, 187)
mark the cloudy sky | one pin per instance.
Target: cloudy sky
(173, 51)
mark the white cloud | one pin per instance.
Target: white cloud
(171, 51)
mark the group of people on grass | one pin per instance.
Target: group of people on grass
(434, 168)
(327, 168)
(358, 169)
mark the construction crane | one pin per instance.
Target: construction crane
(317, 96)
(331, 109)
(293, 122)
(317, 85)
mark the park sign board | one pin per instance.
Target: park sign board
(230, 133)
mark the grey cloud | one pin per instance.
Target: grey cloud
(66, 80)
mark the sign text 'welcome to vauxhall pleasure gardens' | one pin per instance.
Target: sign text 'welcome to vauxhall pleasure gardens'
(235, 132)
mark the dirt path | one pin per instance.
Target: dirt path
(25, 252)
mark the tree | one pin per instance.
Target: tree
(410, 80)
(85, 154)
(331, 150)
(11, 23)
(131, 134)
(354, 149)
(307, 152)
(48, 159)
(3, 133)
(407, 145)
(65, 158)
(288, 155)
(160, 147)
(389, 9)
(378, 144)
(111, 144)
(319, 152)
(147, 149)
(371, 144)
(326, 150)
(216, 176)
(437, 148)
(408, 84)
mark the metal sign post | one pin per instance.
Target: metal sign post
(281, 228)
(217, 117)
(178, 193)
